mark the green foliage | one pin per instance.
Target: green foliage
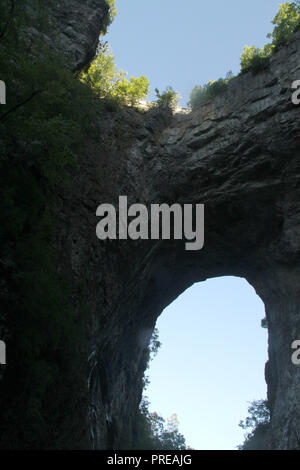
(255, 59)
(17, 14)
(109, 83)
(200, 94)
(49, 111)
(257, 424)
(47, 115)
(107, 21)
(286, 22)
(152, 431)
(167, 99)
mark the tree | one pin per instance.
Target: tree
(152, 431)
(42, 127)
(257, 424)
(108, 82)
(256, 59)
(286, 22)
(167, 99)
(112, 11)
(200, 94)
(170, 437)
(132, 91)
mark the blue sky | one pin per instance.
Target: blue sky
(186, 43)
(211, 362)
(213, 348)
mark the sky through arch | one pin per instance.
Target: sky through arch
(211, 362)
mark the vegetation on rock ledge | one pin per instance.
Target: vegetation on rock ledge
(153, 432)
(253, 59)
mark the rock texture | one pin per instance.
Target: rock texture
(73, 28)
(239, 154)
(79, 23)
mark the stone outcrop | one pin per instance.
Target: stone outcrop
(73, 28)
(79, 23)
(238, 154)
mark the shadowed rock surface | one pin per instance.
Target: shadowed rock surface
(237, 154)
(79, 25)
(73, 28)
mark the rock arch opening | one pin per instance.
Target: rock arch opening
(211, 363)
(239, 156)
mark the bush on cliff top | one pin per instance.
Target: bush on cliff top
(286, 22)
(167, 98)
(107, 21)
(200, 94)
(111, 84)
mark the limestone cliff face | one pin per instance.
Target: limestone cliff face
(239, 155)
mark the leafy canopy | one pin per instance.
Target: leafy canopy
(200, 94)
(107, 21)
(286, 22)
(167, 98)
(257, 426)
(108, 82)
(155, 433)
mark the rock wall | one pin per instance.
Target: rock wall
(239, 155)
(73, 28)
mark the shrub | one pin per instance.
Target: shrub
(154, 433)
(111, 84)
(286, 22)
(167, 99)
(107, 21)
(200, 94)
(258, 424)
(255, 59)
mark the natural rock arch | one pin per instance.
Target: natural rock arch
(237, 154)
